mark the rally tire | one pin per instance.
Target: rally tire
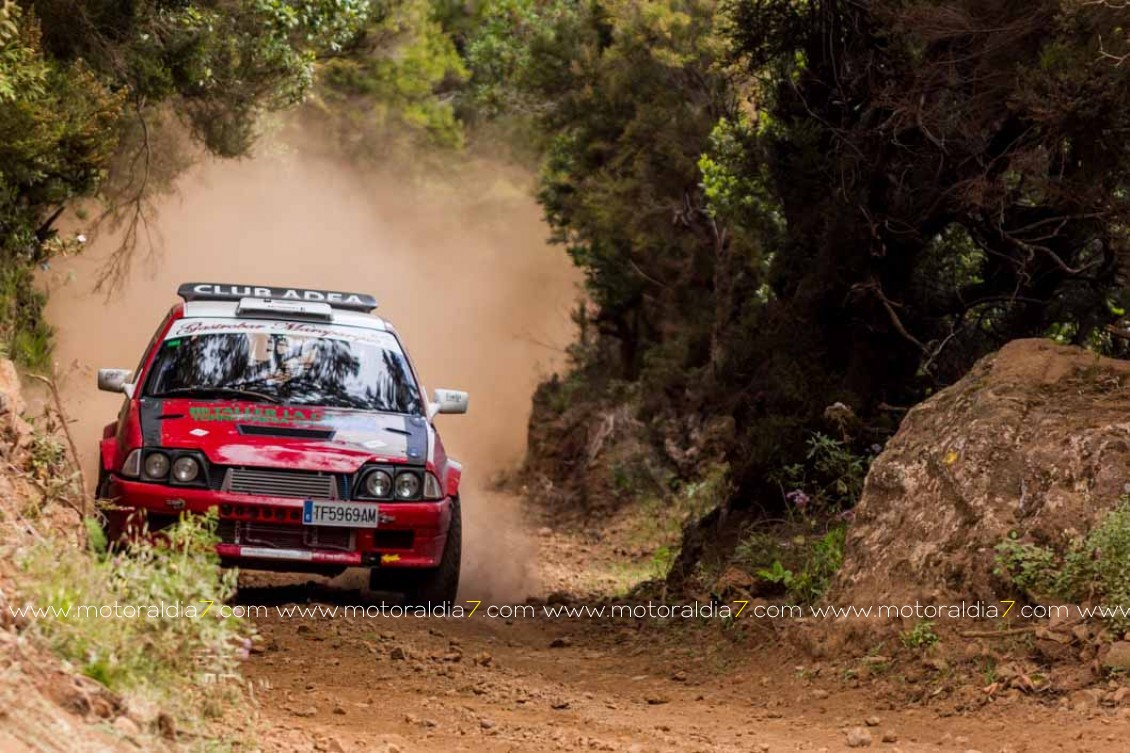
(102, 491)
(436, 586)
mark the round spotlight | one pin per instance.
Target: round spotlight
(156, 465)
(186, 470)
(378, 484)
(407, 485)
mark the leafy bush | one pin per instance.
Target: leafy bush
(48, 465)
(829, 480)
(803, 567)
(921, 636)
(1095, 568)
(171, 657)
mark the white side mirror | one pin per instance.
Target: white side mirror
(115, 380)
(448, 401)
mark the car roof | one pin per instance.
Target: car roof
(227, 310)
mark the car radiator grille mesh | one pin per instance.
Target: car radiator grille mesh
(278, 483)
(284, 537)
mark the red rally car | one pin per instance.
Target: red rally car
(299, 416)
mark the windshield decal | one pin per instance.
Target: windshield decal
(188, 327)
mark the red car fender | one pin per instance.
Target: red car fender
(452, 478)
(108, 450)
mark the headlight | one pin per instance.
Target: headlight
(432, 489)
(156, 465)
(378, 484)
(407, 485)
(131, 468)
(186, 470)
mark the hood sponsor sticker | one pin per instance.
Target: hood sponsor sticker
(199, 432)
(256, 415)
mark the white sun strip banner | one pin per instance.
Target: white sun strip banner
(203, 326)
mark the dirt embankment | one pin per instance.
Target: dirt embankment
(1033, 441)
(45, 706)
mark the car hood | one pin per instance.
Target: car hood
(268, 435)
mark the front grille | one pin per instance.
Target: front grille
(284, 537)
(278, 483)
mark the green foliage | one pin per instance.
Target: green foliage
(173, 657)
(921, 636)
(829, 480)
(661, 560)
(1032, 568)
(26, 337)
(219, 64)
(48, 465)
(802, 567)
(504, 44)
(393, 85)
(1094, 568)
(82, 85)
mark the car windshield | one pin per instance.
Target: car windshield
(285, 362)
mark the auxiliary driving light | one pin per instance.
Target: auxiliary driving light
(156, 465)
(407, 485)
(186, 470)
(378, 484)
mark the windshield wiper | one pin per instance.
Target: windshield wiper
(233, 391)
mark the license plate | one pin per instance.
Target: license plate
(342, 514)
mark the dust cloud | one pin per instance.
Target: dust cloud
(462, 269)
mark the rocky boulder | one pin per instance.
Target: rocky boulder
(1034, 439)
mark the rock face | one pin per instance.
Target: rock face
(1034, 439)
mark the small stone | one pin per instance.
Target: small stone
(679, 676)
(890, 736)
(858, 737)
(166, 726)
(1118, 657)
(486, 724)
(398, 654)
(558, 704)
(545, 531)
(339, 709)
(305, 711)
(332, 745)
(127, 727)
(872, 721)
(562, 642)
(820, 694)
(657, 700)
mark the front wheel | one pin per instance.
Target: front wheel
(435, 585)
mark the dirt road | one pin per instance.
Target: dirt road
(490, 684)
(476, 683)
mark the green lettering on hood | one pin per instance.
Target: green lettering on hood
(272, 415)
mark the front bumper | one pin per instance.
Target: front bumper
(268, 531)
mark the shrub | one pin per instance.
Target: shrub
(1094, 568)
(921, 636)
(830, 478)
(168, 657)
(803, 568)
